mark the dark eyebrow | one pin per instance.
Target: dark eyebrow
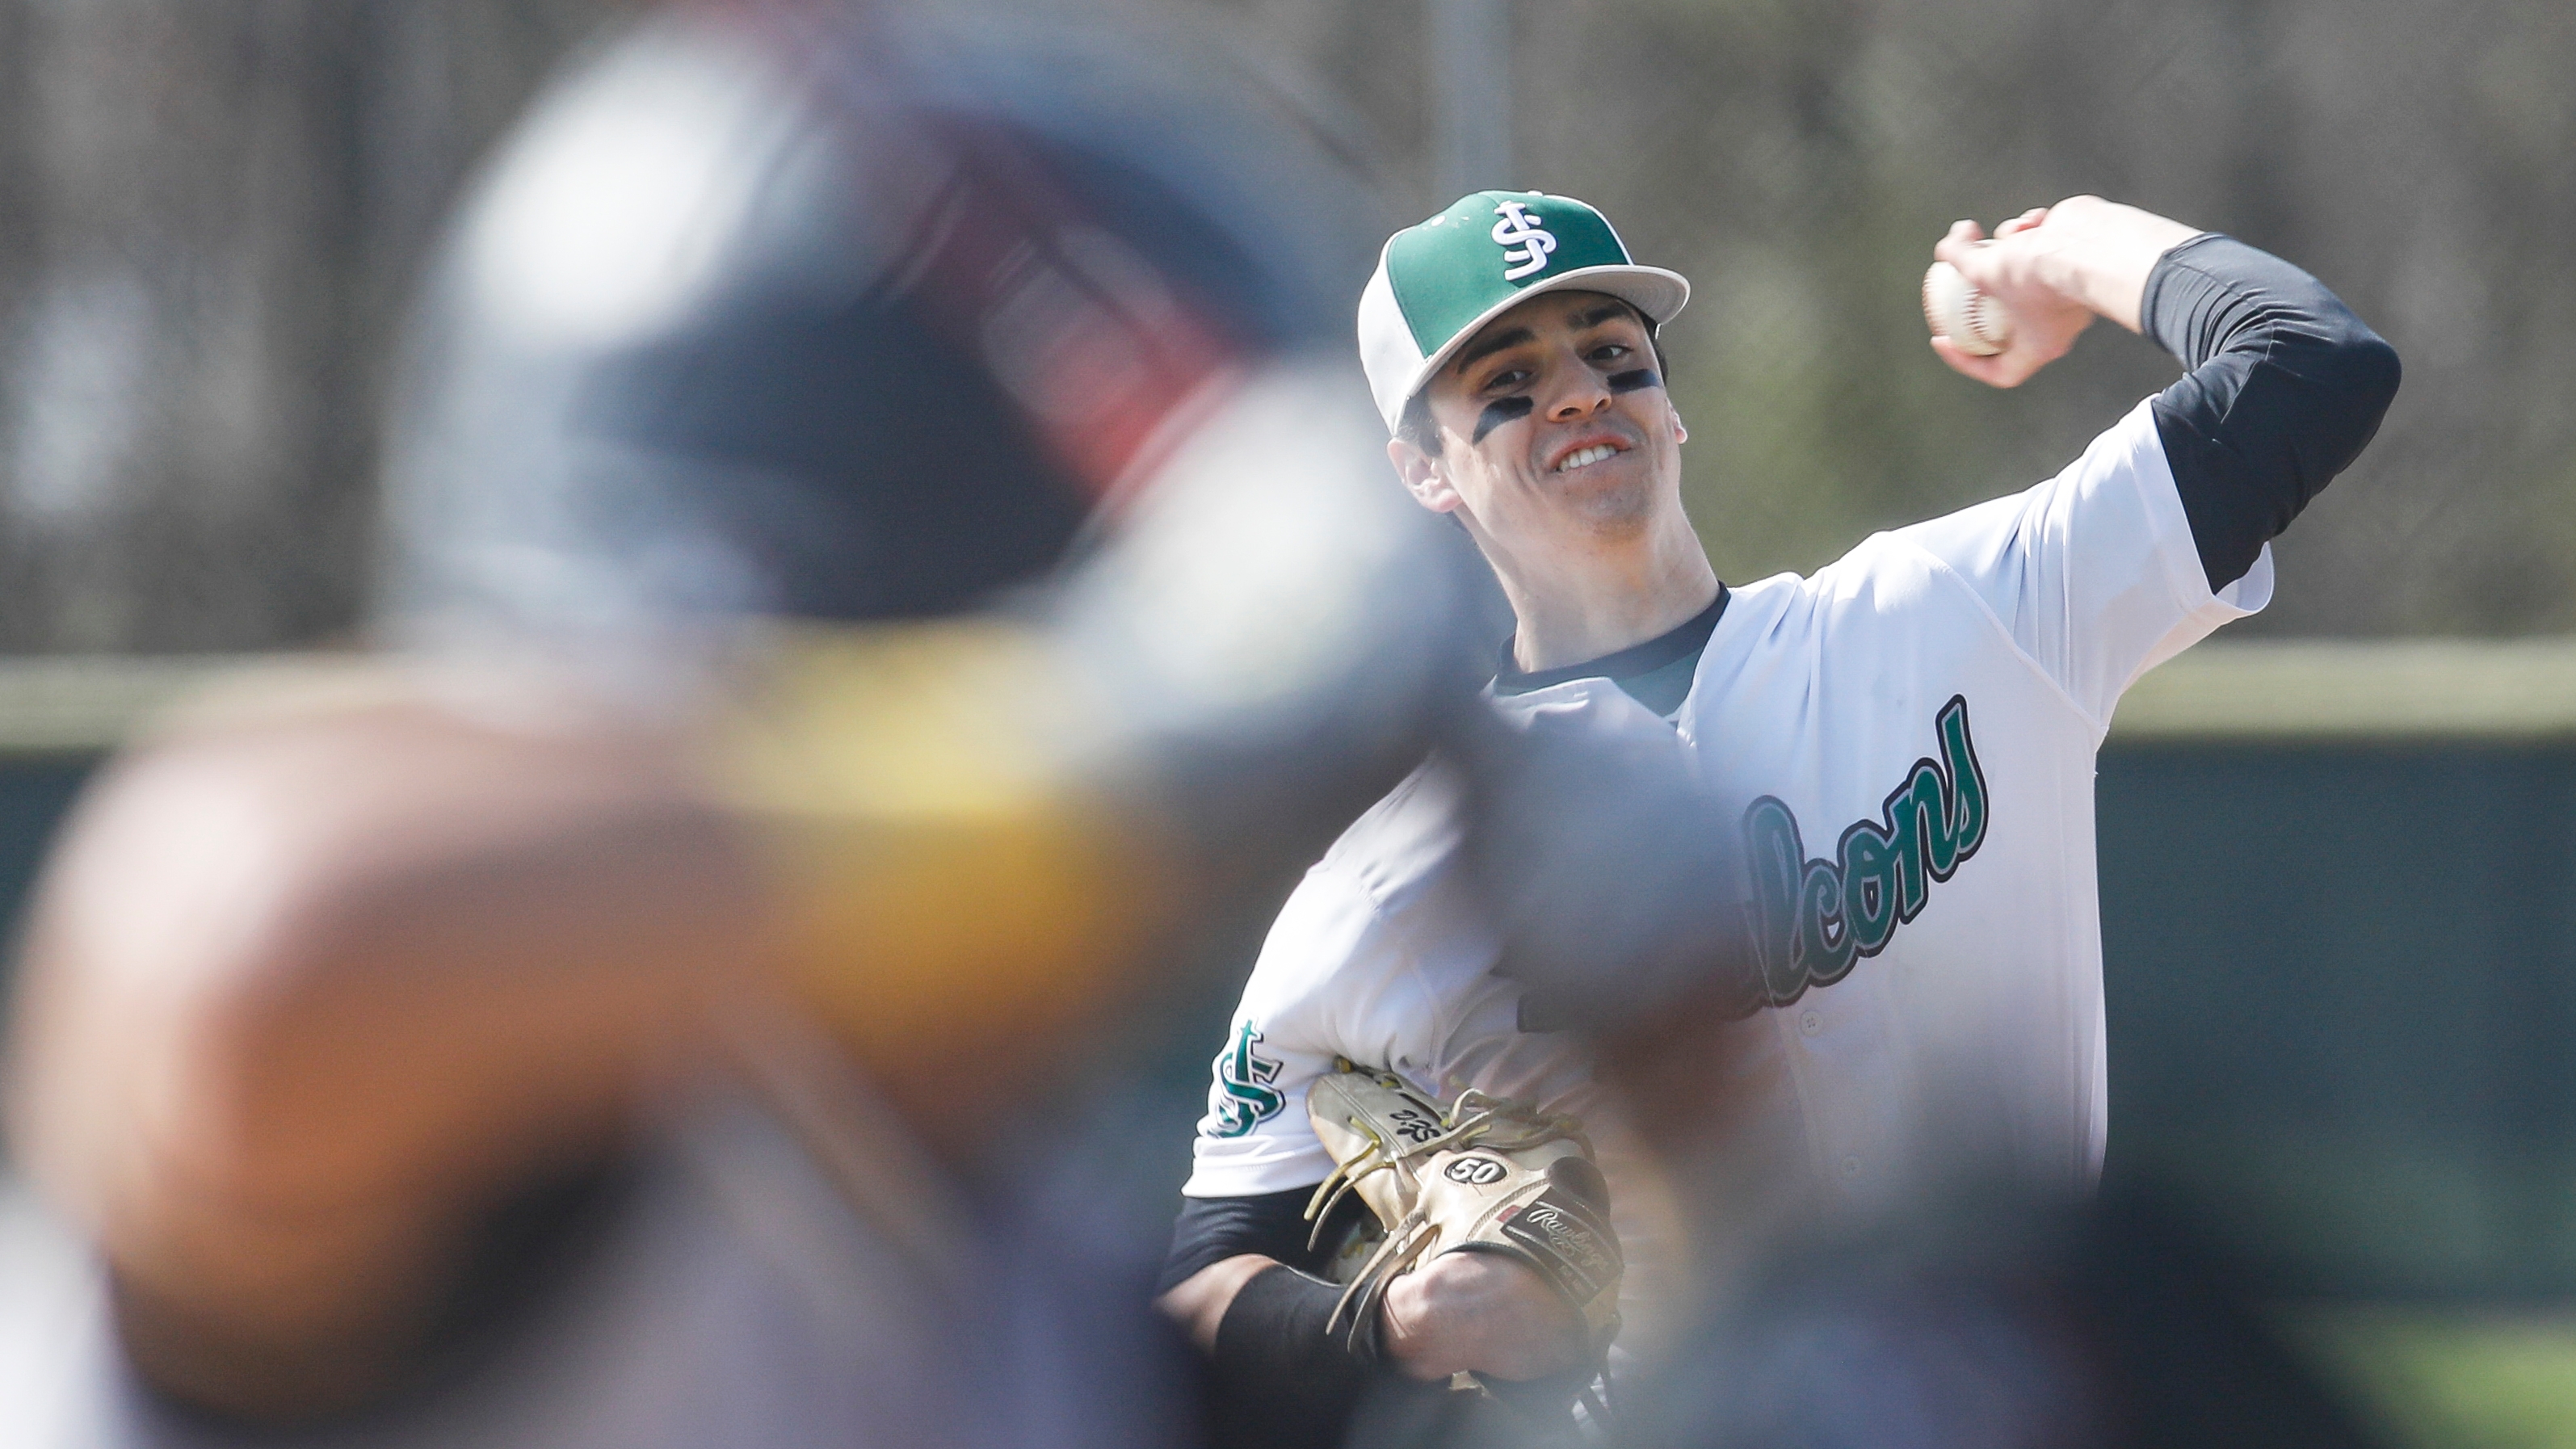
(1494, 344)
(1607, 312)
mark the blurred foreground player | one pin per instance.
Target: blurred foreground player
(889, 556)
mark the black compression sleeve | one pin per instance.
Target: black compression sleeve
(2285, 386)
(1213, 1229)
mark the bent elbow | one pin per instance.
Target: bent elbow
(2372, 373)
(2362, 379)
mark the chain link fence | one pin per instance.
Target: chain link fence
(210, 214)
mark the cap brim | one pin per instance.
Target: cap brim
(1657, 293)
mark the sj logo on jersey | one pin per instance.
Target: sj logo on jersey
(1243, 1098)
(1817, 917)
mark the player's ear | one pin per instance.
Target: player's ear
(1681, 434)
(1423, 476)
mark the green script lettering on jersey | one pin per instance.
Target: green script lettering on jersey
(1244, 1098)
(1816, 918)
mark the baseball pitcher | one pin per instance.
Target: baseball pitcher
(1901, 746)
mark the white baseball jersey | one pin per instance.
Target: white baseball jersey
(1907, 741)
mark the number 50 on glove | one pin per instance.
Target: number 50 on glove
(1485, 1175)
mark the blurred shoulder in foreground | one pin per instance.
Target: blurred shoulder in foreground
(878, 548)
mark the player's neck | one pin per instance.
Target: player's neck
(1570, 607)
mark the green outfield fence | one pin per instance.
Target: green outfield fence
(2341, 957)
(2337, 889)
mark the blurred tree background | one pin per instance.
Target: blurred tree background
(210, 215)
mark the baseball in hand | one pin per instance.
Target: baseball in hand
(1975, 321)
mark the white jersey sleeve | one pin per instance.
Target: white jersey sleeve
(2094, 573)
(1340, 975)
(1255, 1137)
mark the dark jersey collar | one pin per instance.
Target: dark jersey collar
(1637, 668)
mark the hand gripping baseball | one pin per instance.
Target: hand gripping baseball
(2053, 269)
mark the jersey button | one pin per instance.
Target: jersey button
(1809, 1022)
(1851, 1167)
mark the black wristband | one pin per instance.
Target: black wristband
(1280, 1380)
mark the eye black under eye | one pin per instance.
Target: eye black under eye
(1500, 411)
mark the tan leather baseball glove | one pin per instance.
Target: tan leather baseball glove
(1483, 1175)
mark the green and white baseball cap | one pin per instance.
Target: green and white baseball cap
(1439, 281)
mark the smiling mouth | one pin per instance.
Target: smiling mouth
(1586, 457)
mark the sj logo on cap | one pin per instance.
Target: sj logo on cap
(1442, 278)
(1526, 247)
